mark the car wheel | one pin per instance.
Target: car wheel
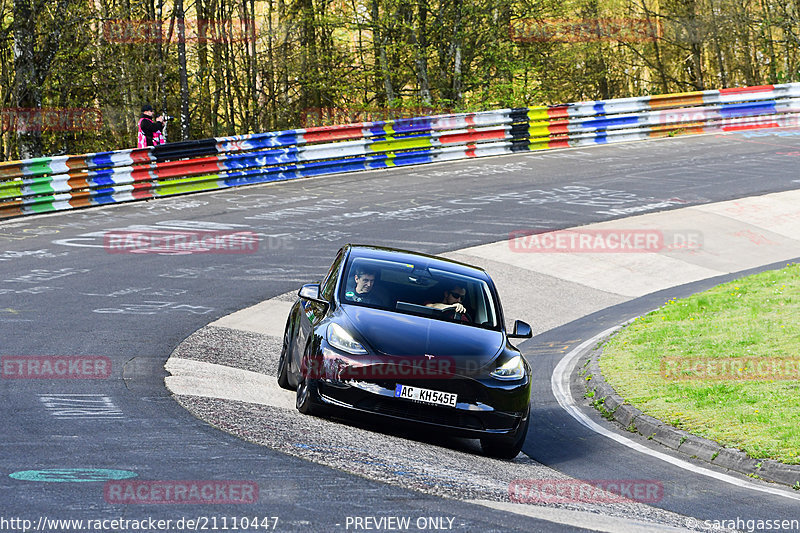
(283, 363)
(307, 401)
(507, 447)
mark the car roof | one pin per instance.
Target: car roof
(416, 258)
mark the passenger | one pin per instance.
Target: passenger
(452, 298)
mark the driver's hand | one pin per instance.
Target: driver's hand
(459, 308)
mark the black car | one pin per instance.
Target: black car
(409, 337)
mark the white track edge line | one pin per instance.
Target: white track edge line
(561, 390)
(581, 519)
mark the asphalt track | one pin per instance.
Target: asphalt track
(62, 293)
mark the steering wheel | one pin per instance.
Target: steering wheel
(459, 317)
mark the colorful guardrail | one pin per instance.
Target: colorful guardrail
(68, 182)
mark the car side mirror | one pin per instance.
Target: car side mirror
(311, 292)
(521, 330)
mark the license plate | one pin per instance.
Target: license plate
(432, 397)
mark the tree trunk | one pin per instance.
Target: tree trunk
(160, 89)
(744, 44)
(226, 65)
(723, 77)
(767, 33)
(455, 53)
(203, 25)
(284, 52)
(660, 66)
(183, 74)
(379, 44)
(271, 111)
(420, 42)
(255, 92)
(27, 78)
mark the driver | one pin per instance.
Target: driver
(364, 291)
(452, 298)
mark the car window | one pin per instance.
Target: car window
(412, 289)
(329, 283)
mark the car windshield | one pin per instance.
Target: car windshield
(419, 290)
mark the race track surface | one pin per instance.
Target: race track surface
(63, 293)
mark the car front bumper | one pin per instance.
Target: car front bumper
(473, 416)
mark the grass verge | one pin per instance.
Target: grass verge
(723, 364)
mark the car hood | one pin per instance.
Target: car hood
(396, 334)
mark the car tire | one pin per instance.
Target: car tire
(307, 401)
(283, 362)
(506, 447)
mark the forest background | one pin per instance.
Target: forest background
(74, 73)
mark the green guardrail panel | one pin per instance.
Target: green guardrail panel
(37, 167)
(10, 189)
(208, 182)
(43, 204)
(400, 144)
(39, 188)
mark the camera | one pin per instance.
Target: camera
(166, 117)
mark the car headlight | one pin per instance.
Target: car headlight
(339, 338)
(511, 369)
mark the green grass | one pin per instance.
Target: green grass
(754, 317)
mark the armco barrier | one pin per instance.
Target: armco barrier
(68, 182)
